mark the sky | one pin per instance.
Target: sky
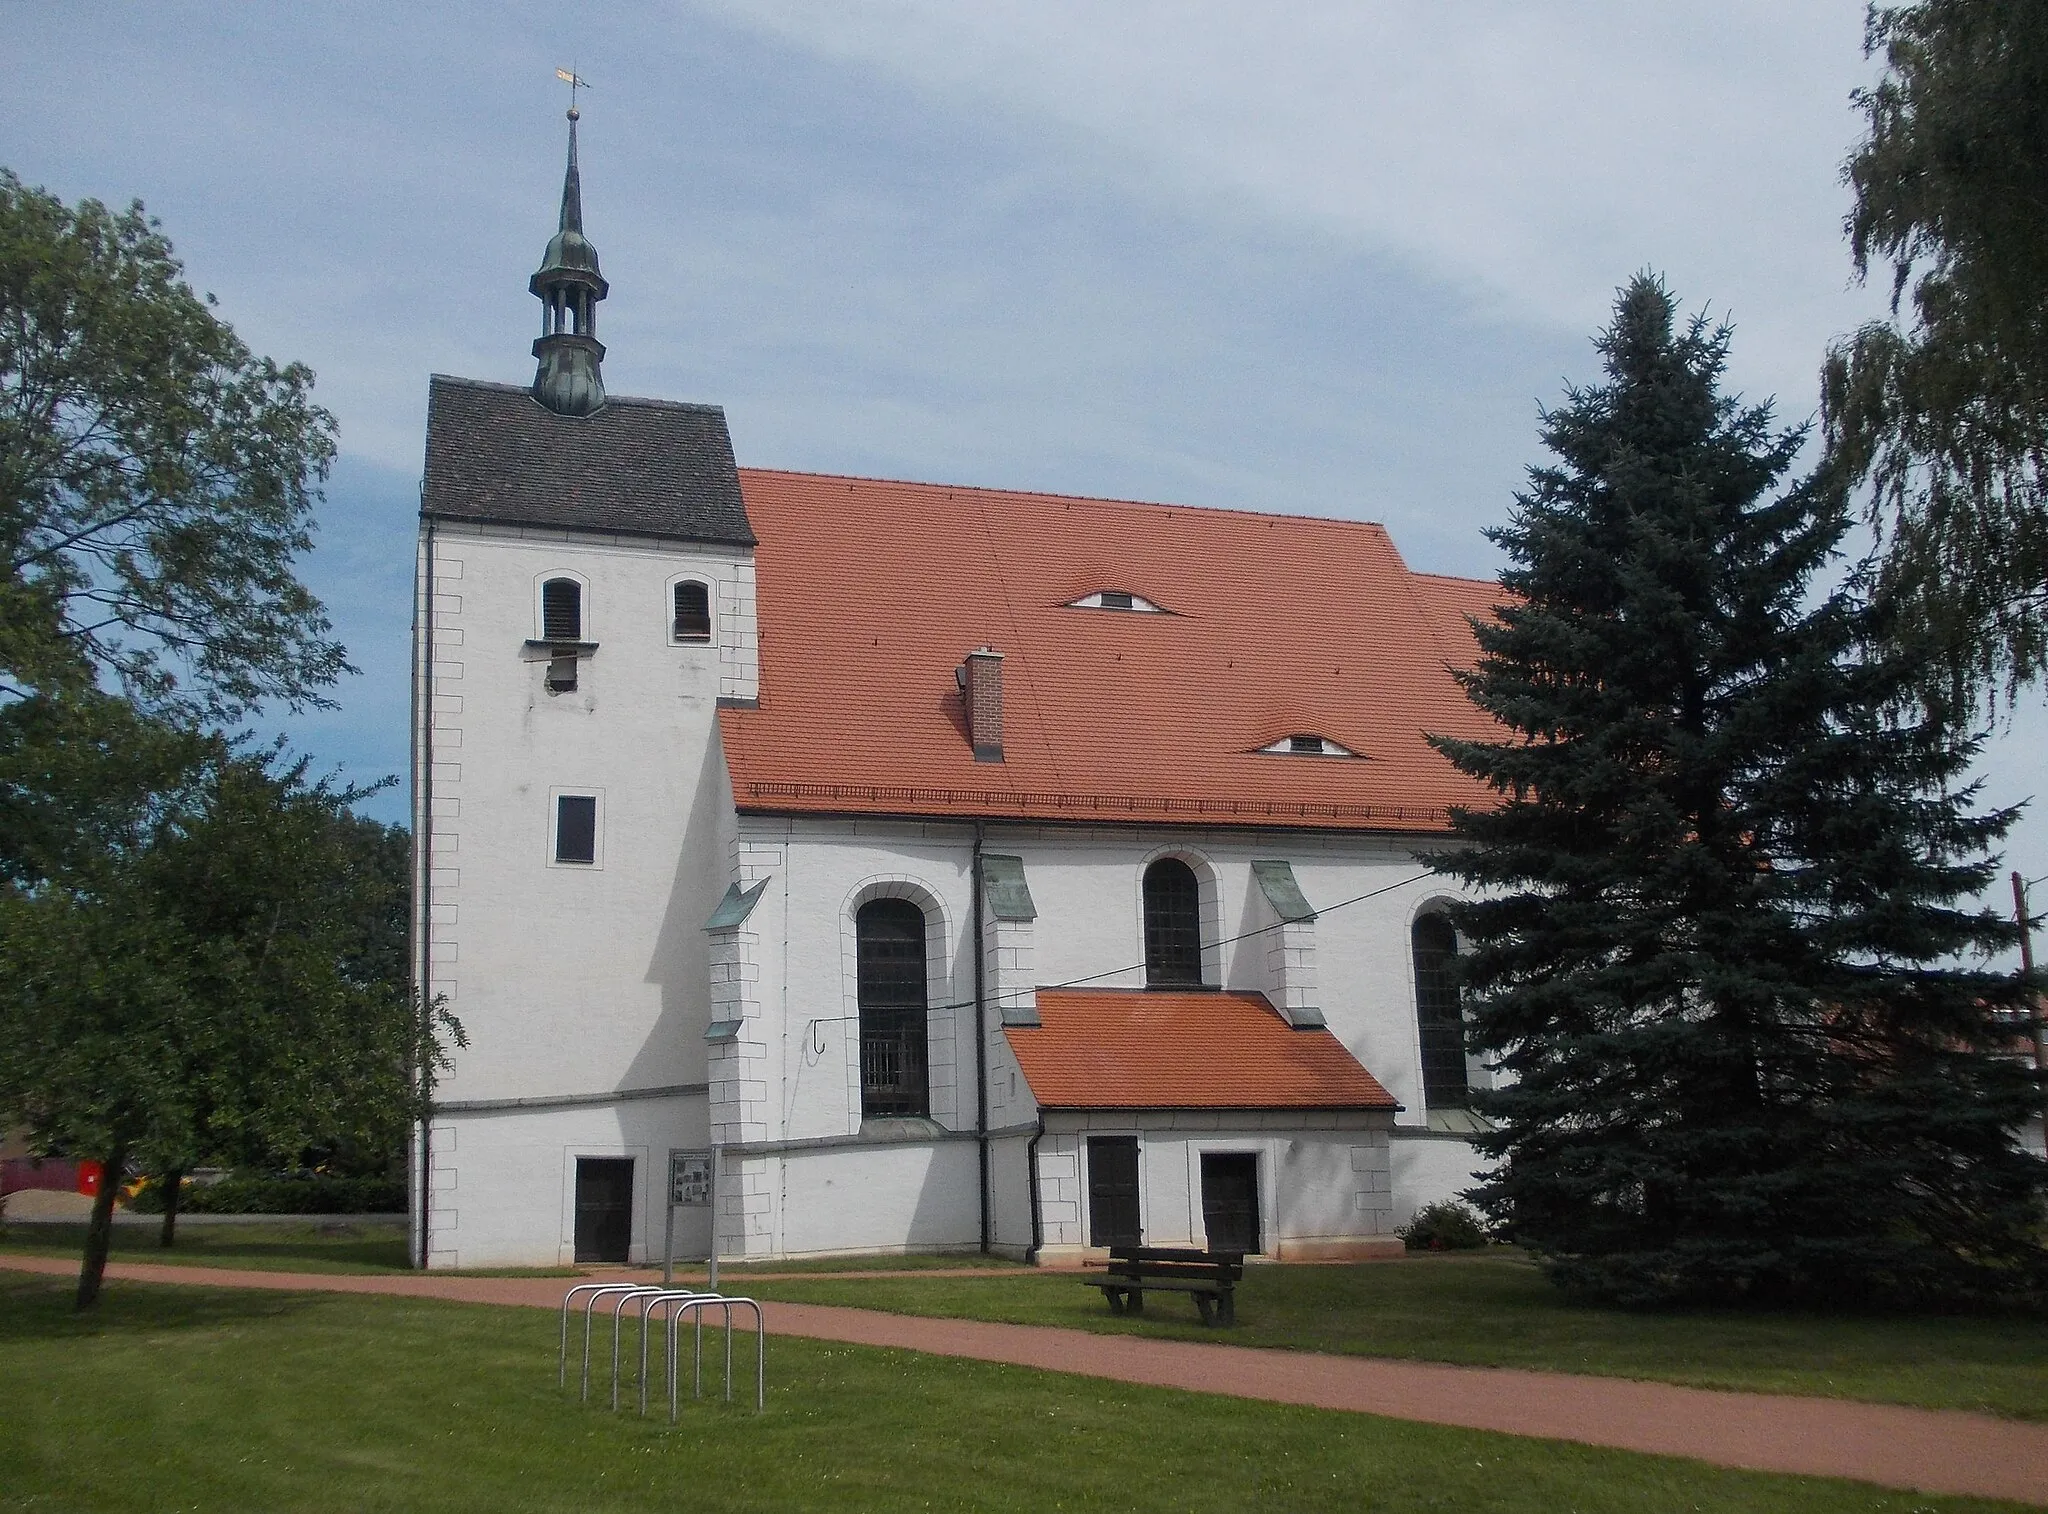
(1329, 257)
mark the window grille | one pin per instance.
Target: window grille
(1440, 1017)
(692, 612)
(1173, 925)
(561, 610)
(890, 941)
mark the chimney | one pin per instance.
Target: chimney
(981, 688)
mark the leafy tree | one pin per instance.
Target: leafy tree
(156, 479)
(202, 971)
(1723, 897)
(1948, 417)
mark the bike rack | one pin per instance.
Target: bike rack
(678, 1301)
(719, 1301)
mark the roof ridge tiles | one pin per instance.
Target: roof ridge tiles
(700, 407)
(1342, 522)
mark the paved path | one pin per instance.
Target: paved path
(1934, 1451)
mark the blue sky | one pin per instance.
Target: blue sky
(1326, 258)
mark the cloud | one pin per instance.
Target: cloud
(1529, 155)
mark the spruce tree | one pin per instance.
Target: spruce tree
(1725, 947)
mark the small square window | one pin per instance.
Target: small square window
(562, 673)
(576, 828)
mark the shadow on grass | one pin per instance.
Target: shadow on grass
(40, 1308)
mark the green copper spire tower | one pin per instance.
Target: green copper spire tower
(569, 380)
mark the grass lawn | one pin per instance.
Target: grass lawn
(180, 1398)
(1497, 1310)
(336, 1245)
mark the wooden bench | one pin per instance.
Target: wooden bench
(1210, 1277)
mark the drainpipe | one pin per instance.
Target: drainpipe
(1031, 1167)
(981, 1041)
(423, 879)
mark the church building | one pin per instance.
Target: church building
(823, 864)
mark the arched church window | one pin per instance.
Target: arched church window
(692, 611)
(1173, 925)
(891, 947)
(1439, 1015)
(561, 610)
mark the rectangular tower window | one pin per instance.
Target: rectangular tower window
(575, 828)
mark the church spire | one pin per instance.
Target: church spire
(569, 380)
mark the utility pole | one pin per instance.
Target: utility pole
(2019, 909)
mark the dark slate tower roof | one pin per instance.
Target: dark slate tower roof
(635, 467)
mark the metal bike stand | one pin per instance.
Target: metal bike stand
(648, 1304)
(724, 1304)
(589, 1304)
(562, 1368)
(619, 1303)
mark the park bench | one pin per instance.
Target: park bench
(1209, 1277)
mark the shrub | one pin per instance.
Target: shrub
(1446, 1225)
(264, 1195)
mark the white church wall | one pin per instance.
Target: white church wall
(1325, 1179)
(504, 1190)
(571, 979)
(1428, 1167)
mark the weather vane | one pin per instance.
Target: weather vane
(575, 81)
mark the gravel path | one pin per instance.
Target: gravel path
(1934, 1451)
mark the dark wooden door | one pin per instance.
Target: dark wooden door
(604, 1208)
(1230, 1200)
(1113, 1191)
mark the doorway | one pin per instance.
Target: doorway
(1113, 1191)
(1230, 1201)
(604, 1208)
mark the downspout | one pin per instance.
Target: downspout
(981, 1041)
(1031, 1169)
(423, 880)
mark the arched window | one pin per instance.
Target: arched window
(1173, 925)
(890, 937)
(692, 611)
(1438, 1013)
(561, 610)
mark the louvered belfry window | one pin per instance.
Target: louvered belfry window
(561, 610)
(1173, 925)
(891, 946)
(1440, 1017)
(693, 611)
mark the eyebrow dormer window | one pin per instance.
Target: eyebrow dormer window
(561, 610)
(1307, 744)
(692, 611)
(1116, 599)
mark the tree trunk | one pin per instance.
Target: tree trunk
(99, 1235)
(173, 1181)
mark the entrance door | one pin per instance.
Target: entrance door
(604, 1208)
(1230, 1200)
(1112, 1190)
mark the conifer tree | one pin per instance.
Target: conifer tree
(1726, 950)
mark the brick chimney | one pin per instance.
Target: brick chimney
(981, 688)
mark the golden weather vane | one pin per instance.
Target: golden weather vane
(575, 81)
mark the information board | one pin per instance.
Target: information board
(689, 1178)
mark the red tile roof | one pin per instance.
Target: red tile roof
(870, 593)
(1154, 1048)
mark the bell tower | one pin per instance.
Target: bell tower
(569, 379)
